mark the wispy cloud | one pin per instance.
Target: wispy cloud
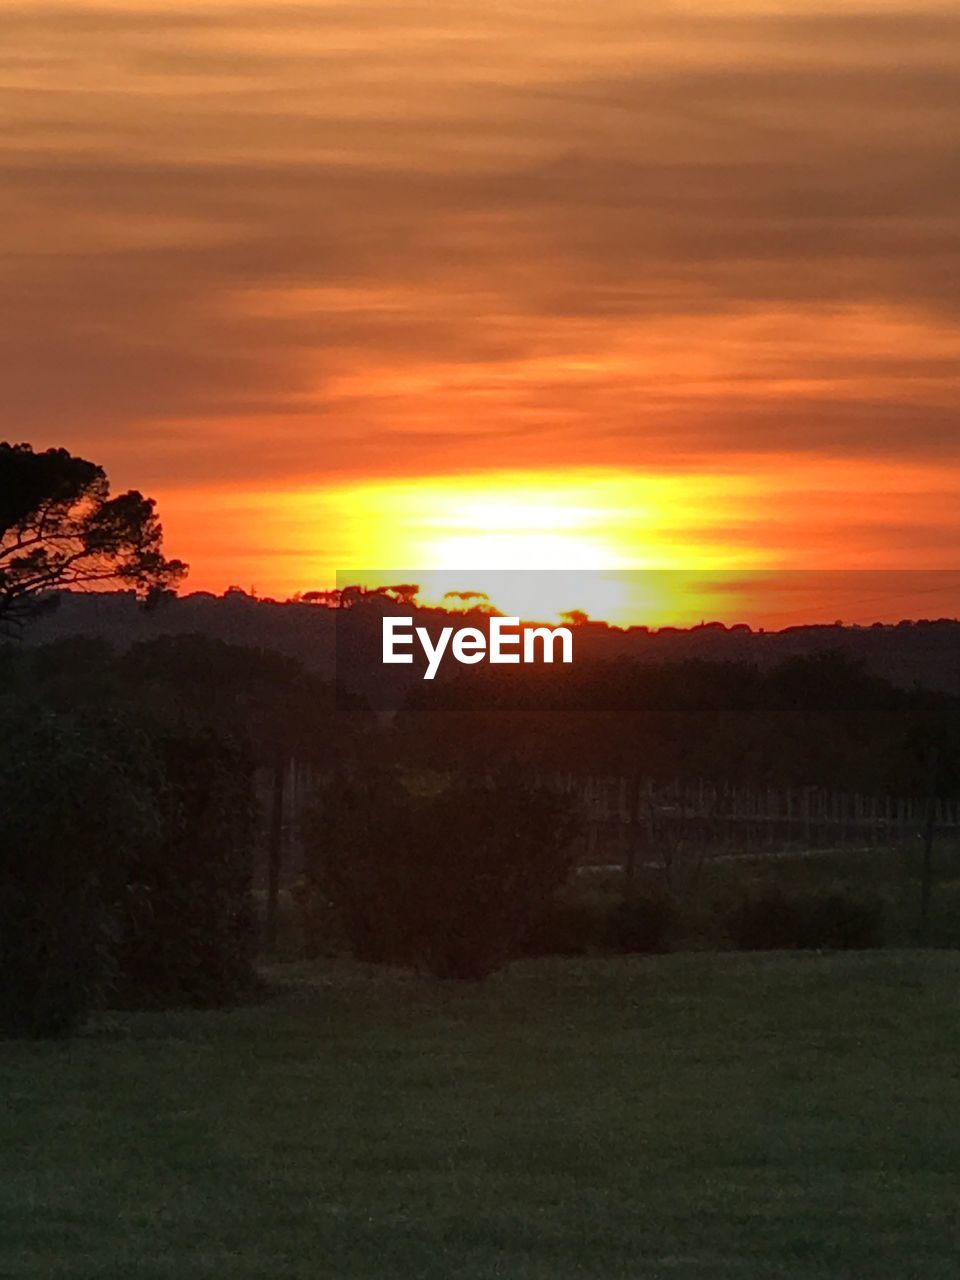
(302, 242)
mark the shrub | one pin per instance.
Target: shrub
(317, 929)
(450, 881)
(770, 920)
(645, 924)
(124, 869)
(189, 934)
(75, 802)
(588, 924)
(570, 927)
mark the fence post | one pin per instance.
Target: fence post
(929, 826)
(633, 798)
(275, 845)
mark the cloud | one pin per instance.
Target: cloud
(303, 240)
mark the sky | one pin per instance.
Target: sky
(536, 284)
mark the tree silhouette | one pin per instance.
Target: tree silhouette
(59, 528)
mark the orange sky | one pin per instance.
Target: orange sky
(563, 284)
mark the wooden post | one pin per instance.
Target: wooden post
(807, 831)
(275, 846)
(633, 799)
(929, 826)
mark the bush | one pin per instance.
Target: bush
(569, 927)
(316, 927)
(124, 867)
(645, 924)
(589, 924)
(76, 801)
(832, 921)
(450, 881)
(189, 932)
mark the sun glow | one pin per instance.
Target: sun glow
(625, 546)
(593, 531)
(543, 520)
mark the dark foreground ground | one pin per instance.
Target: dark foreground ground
(750, 1117)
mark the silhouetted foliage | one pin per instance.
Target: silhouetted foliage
(834, 921)
(448, 881)
(60, 529)
(188, 935)
(815, 720)
(645, 924)
(578, 923)
(450, 876)
(572, 924)
(264, 698)
(129, 824)
(78, 803)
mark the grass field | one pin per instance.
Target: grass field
(706, 1116)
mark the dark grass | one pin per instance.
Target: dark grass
(890, 876)
(706, 891)
(685, 1116)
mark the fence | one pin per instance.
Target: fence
(623, 817)
(630, 820)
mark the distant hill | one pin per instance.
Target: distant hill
(303, 631)
(924, 652)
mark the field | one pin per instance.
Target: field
(708, 1116)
